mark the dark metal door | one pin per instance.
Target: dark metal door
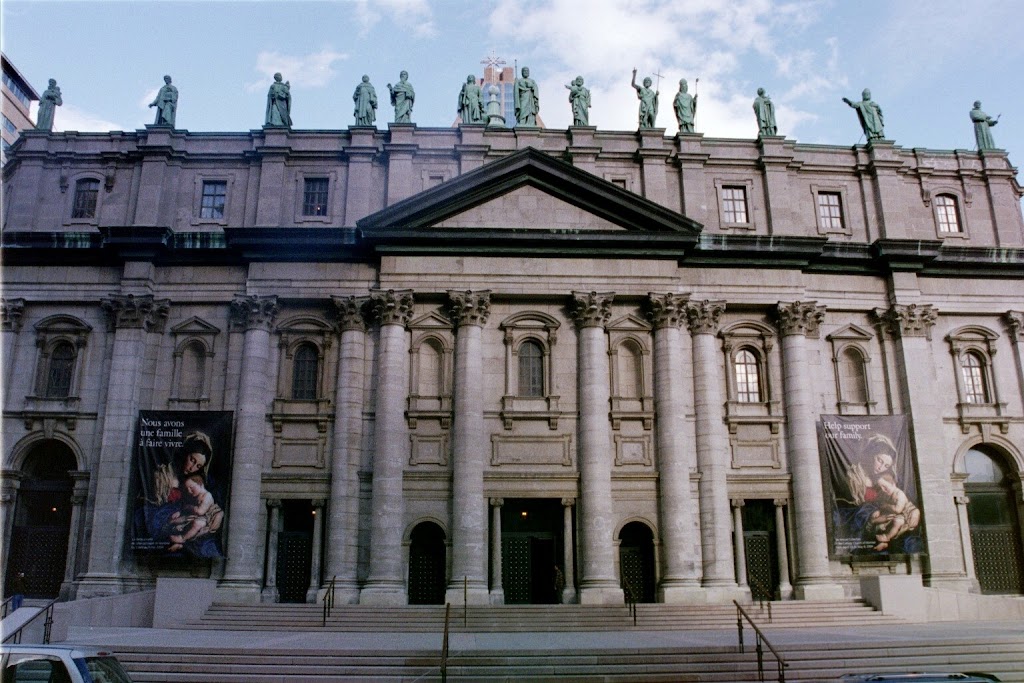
(760, 564)
(995, 539)
(39, 537)
(427, 566)
(294, 561)
(515, 569)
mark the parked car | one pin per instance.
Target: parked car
(59, 664)
(920, 677)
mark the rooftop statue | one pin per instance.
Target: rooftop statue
(648, 102)
(279, 104)
(526, 99)
(365, 98)
(686, 107)
(870, 115)
(471, 104)
(982, 127)
(579, 97)
(764, 110)
(402, 98)
(48, 102)
(166, 104)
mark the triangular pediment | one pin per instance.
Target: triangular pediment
(850, 332)
(195, 326)
(530, 200)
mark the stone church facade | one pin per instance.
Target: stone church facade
(509, 365)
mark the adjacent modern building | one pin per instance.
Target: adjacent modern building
(509, 366)
(18, 96)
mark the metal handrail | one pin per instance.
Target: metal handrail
(329, 600)
(761, 601)
(15, 636)
(444, 643)
(5, 607)
(740, 616)
(630, 596)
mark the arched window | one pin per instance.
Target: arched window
(994, 522)
(531, 369)
(430, 369)
(86, 193)
(748, 377)
(975, 385)
(61, 370)
(947, 213)
(852, 379)
(193, 371)
(305, 371)
(630, 370)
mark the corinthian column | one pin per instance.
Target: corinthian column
(680, 579)
(131, 318)
(598, 584)
(797, 321)
(343, 508)
(386, 583)
(11, 312)
(469, 311)
(910, 326)
(712, 450)
(255, 315)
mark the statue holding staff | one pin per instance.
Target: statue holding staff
(402, 98)
(471, 104)
(686, 107)
(526, 99)
(764, 110)
(166, 104)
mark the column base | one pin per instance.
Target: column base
(719, 595)
(383, 593)
(98, 586)
(602, 594)
(497, 597)
(472, 595)
(569, 596)
(682, 594)
(785, 592)
(819, 591)
(347, 594)
(241, 591)
(958, 583)
(269, 595)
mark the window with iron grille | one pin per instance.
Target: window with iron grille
(734, 204)
(215, 194)
(830, 211)
(86, 193)
(531, 369)
(314, 197)
(948, 213)
(305, 369)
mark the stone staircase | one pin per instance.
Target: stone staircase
(567, 643)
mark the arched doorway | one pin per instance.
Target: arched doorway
(636, 560)
(427, 565)
(994, 522)
(42, 520)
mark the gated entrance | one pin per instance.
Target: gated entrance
(42, 520)
(760, 546)
(294, 550)
(994, 523)
(636, 561)
(531, 549)
(427, 565)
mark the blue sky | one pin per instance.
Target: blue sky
(925, 62)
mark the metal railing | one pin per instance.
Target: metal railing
(15, 636)
(761, 601)
(760, 637)
(630, 593)
(444, 643)
(329, 600)
(6, 607)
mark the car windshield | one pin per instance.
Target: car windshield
(103, 670)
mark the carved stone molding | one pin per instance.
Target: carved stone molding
(912, 320)
(737, 502)
(800, 317)
(780, 502)
(469, 307)
(128, 311)
(568, 502)
(1015, 324)
(591, 309)
(497, 502)
(349, 310)
(11, 311)
(702, 317)
(390, 306)
(666, 310)
(253, 312)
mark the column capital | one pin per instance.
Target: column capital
(349, 311)
(702, 317)
(913, 320)
(318, 502)
(666, 310)
(568, 502)
(250, 312)
(128, 311)
(737, 502)
(273, 502)
(11, 311)
(800, 317)
(497, 502)
(591, 309)
(781, 502)
(469, 307)
(391, 306)
(961, 500)
(1015, 324)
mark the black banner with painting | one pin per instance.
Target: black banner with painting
(871, 492)
(182, 479)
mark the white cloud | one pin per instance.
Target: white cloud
(313, 70)
(69, 117)
(414, 15)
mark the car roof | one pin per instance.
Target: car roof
(74, 651)
(919, 677)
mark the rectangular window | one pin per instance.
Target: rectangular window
(17, 90)
(9, 125)
(314, 197)
(734, 205)
(830, 211)
(215, 194)
(947, 213)
(86, 193)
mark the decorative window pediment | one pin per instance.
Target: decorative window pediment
(431, 355)
(303, 378)
(974, 348)
(631, 385)
(852, 363)
(529, 338)
(749, 387)
(61, 341)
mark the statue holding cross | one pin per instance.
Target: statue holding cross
(648, 102)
